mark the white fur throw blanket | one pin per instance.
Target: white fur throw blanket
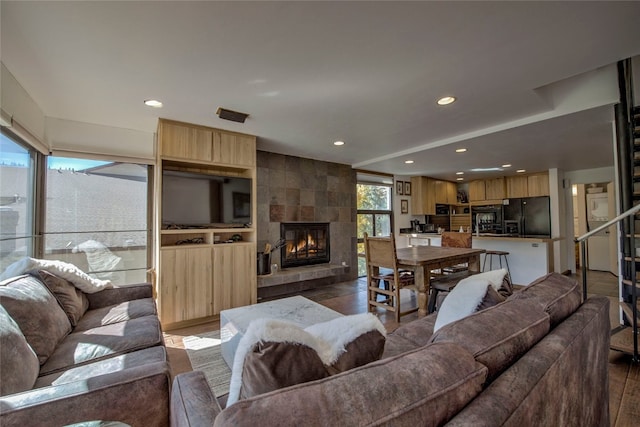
(67, 271)
(328, 339)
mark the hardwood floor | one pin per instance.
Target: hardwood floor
(351, 298)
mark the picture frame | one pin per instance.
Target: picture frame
(404, 206)
(399, 188)
(407, 188)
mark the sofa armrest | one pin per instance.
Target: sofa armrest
(119, 294)
(192, 402)
(136, 396)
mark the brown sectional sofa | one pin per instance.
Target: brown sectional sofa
(538, 358)
(69, 357)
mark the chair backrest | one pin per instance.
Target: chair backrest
(453, 239)
(380, 251)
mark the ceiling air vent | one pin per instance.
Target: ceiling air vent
(234, 116)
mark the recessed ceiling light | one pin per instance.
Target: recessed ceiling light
(521, 170)
(338, 143)
(506, 166)
(153, 103)
(459, 179)
(486, 170)
(459, 173)
(446, 100)
(461, 150)
(408, 162)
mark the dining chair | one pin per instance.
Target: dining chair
(446, 279)
(384, 276)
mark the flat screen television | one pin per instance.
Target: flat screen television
(198, 199)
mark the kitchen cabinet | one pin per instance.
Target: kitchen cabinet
(495, 189)
(423, 196)
(446, 192)
(477, 190)
(538, 184)
(517, 186)
(532, 185)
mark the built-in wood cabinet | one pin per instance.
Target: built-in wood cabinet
(187, 284)
(206, 145)
(201, 271)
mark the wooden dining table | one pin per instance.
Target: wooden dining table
(423, 259)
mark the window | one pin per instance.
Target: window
(17, 198)
(96, 217)
(374, 215)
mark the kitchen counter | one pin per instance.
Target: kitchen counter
(529, 257)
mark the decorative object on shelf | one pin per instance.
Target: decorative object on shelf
(407, 188)
(399, 188)
(404, 206)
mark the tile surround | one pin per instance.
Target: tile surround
(298, 189)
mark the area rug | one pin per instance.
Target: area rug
(205, 355)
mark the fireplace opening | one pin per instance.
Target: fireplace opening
(306, 243)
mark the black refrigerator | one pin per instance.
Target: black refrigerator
(531, 214)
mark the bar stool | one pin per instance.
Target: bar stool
(500, 254)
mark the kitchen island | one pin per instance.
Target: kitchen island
(529, 257)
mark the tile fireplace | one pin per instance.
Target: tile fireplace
(307, 243)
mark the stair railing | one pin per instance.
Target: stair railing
(634, 297)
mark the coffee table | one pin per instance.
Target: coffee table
(300, 310)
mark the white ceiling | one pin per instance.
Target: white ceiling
(310, 73)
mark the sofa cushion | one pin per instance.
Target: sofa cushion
(41, 320)
(554, 293)
(105, 366)
(71, 299)
(116, 313)
(498, 335)
(105, 341)
(470, 295)
(273, 353)
(19, 364)
(417, 331)
(445, 377)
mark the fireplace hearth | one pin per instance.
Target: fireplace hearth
(306, 243)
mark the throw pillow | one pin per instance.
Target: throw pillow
(42, 322)
(67, 271)
(356, 340)
(72, 300)
(499, 279)
(274, 353)
(470, 295)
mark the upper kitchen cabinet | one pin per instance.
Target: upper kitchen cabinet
(423, 196)
(446, 192)
(495, 189)
(477, 191)
(517, 186)
(533, 185)
(538, 184)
